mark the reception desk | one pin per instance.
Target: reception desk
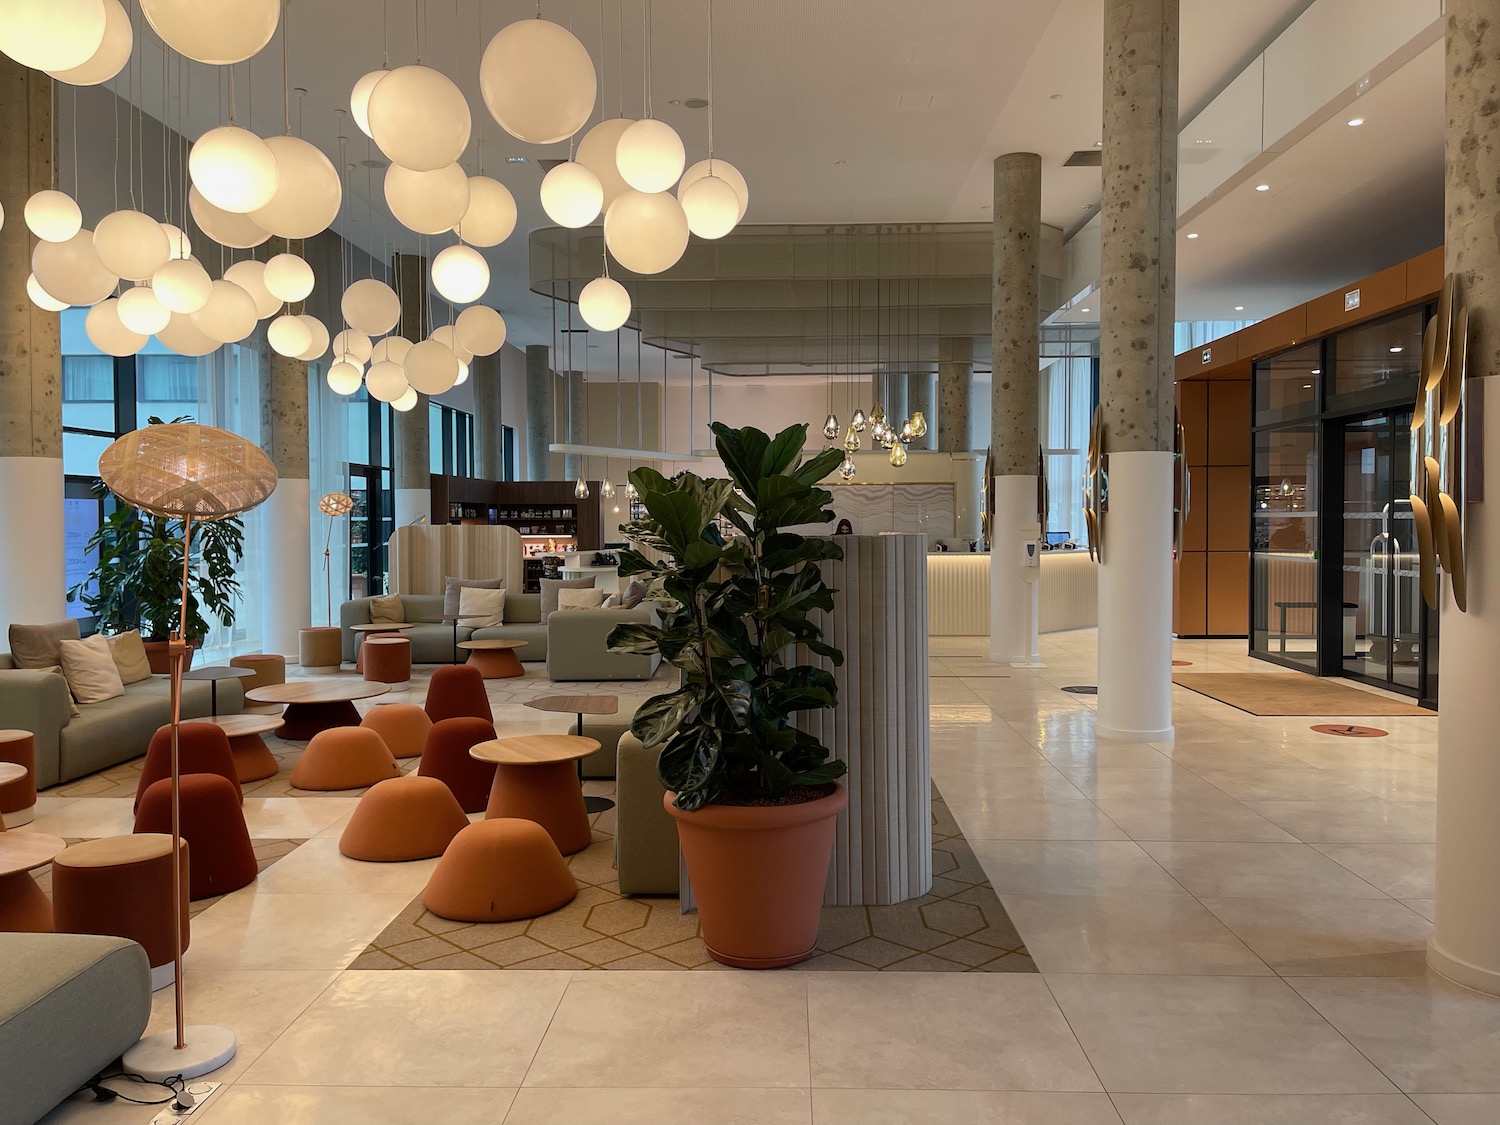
(958, 593)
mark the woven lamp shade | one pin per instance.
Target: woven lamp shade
(183, 469)
(336, 504)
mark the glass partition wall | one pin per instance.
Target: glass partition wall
(1334, 585)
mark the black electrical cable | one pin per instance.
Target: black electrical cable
(174, 1084)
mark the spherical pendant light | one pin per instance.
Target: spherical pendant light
(646, 233)
(41, 298)
(250, 276)
(604, 304)
(52, 216)
(140, 310)
(186, 338)
(725, 171)
(538, 81)
(344, 378)
(596, 152)
(480, 330)
(431, 367)
(308, 192)
(427, 202)
(463, 374)
(238, 232)
(107, 333)
(371, 306)
(288, 336)
(711, 206)
(112, 54)
(491, 214)
(447, 335)
(131, 244)
(234, 169)
(650, 155)
(319, 334)
(460, 274)
(229, 315)
(217, 32)
(392, 349)
(352, 344)
(571, 195)
(52, 34)
(71, 271)
(386, 382)
(407, 400)
(178, 241)
(359, 99)
(419, 118)
(289, 278)
(182, 285)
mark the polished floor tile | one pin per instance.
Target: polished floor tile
(1191, 819)
(1158, 784)
(291, 818)
(1072, 867)
(1250, 870)
(251, 930)
(1300, 783)
(1460, 1109)
(540, 1106)
(244, 1104)
(1268, 1109)
(85, 817)
(1329, 937)
(1400, 870)
(959, 1107)
(1209, 1035)
(905, 1031)
(1358, 822)
(1002, 819)
(317, 867)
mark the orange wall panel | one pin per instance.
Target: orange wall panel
(1228, 593)
(1192, 406)
(1229, 422)
(1190, 619)
(1274, 334)
(1424, 275)
(1228, 507)
(1379, 293)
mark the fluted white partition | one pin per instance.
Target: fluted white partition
(883, 852)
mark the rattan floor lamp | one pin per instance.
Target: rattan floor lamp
(192, 473)
(333, 505)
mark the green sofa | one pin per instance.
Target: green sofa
(432, 639)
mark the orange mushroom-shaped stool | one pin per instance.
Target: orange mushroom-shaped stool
(404, 727)
(201, 748)
(445, 756)
(221, 857)
(401, 819)
(457, 690)
(344, 758)
(498, 871)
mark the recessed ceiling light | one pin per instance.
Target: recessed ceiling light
(1098, 144)
(1316, 371)
(1397, 349)
(1207, 141)
(515, 160)
(1262, 187)
(1239, 308)
(696, 103)
(1085, 310)
(1193, 234)
(838, 162)
(1305, 386)
(1054, 97)
(1356, 122)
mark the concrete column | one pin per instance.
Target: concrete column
(489, 433)
(412, 464)
(286, 603)
(1137, 306)
(538, 412)
(572, 422)
(1015, 562)
(955, 388)
(33, 589)
(1465, 944)
(919, 397)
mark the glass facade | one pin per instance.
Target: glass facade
(1069, 394)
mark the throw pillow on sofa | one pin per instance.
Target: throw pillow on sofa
(551, 586)
(580, 599)
(90, 670)
(480, 608)
(129, 653)
(452, 586)
(633, 594)
(36, 646)
(387, 610)
(72, 703)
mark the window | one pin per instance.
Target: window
(1377, 363)
(1069, 396)
(450, 440)
(508, 453)
(1286, 385)
(1284, 545)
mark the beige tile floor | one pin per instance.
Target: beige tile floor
(1230, 931)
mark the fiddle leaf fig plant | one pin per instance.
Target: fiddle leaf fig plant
(738, 606)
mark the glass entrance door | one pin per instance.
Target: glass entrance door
(1382, 611)
(370, 526)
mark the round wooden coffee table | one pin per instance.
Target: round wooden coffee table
(536, 779)
(495, 659)
(581, 705)
(253, 759)
(23, 906)
(315, 705)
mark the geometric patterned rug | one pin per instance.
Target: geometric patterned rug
(959, 926)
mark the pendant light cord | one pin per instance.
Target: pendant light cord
(710, 87)
(286, 80)
(646, 54)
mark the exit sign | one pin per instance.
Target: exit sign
(1351, 300)
(1208, 356)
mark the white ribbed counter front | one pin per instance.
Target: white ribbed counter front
(958, 593)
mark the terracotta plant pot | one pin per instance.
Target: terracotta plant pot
(158, 656)
(758, 875)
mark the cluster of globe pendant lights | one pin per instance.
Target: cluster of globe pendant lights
(884, 433)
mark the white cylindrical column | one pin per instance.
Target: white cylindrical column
(1135, 599)
(1015, 587)
(286, 603)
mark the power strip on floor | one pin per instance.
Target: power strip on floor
(201, 1092)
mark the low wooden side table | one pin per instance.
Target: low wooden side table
(496, 659)
(213, 674)
(23, 906)
(581, 705)
(18, 796)
(253, 760)
(536, 778)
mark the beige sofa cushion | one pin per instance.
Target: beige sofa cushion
(580, 599)
(551, 586)
(453, 586)
(129, 653)
(387, 610)
(90, 670)
(36, 646)
(481, 608)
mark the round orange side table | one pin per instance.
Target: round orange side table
(536, 779)
(18, 797)
(496, 659)
(253, 760)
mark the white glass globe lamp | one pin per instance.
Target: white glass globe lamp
(604, 304)
(344, 378)
(447, 335)
(141, 311)
(463, 374)
(596, 152)
(250, 275)
(359, 99)
(722, 169)
(712, 207)
(419, 118)
(238, 232)
(427, 202)
(572, 195)
(107, 333)
(234, 169)
(646, 233)
(431, 367)
(131, 244)
(111, 55)
(392, 349)
(41, 298)
(650, 155)
(405, 402)
(352, 344)
(460, 274)
(52, 34)
(289, 278)
(229, 315)
(288, 336)
(385, 382)
(53, 216)
(371, 306)
(319, 336)
(184, 337)
(538, 81)
(491, 214)
(71, 271)
(480, 330)
(178, 241)
(182, 285)
(220, 34)
(308, 192)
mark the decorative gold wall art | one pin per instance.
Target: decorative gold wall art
(1096, 488)
(1182, 485)
(1439, 437)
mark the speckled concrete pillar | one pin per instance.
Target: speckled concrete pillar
(31, 467)
(1138, 218)
(538, 412)
(919, 398)
(413, 461)
(489, 432)
(572, 422)
(1015, 589)
(1465, 943)
(955, 388)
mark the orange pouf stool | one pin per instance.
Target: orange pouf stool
(445, 756)
(201, 748)
(320, 646)
(387, 660)
(404, 727)
(344, 758)
(269, 669)
(223, 859)
(401, 819)
(18, 799)
(457, 691)
(498, 871)
(122, 886)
